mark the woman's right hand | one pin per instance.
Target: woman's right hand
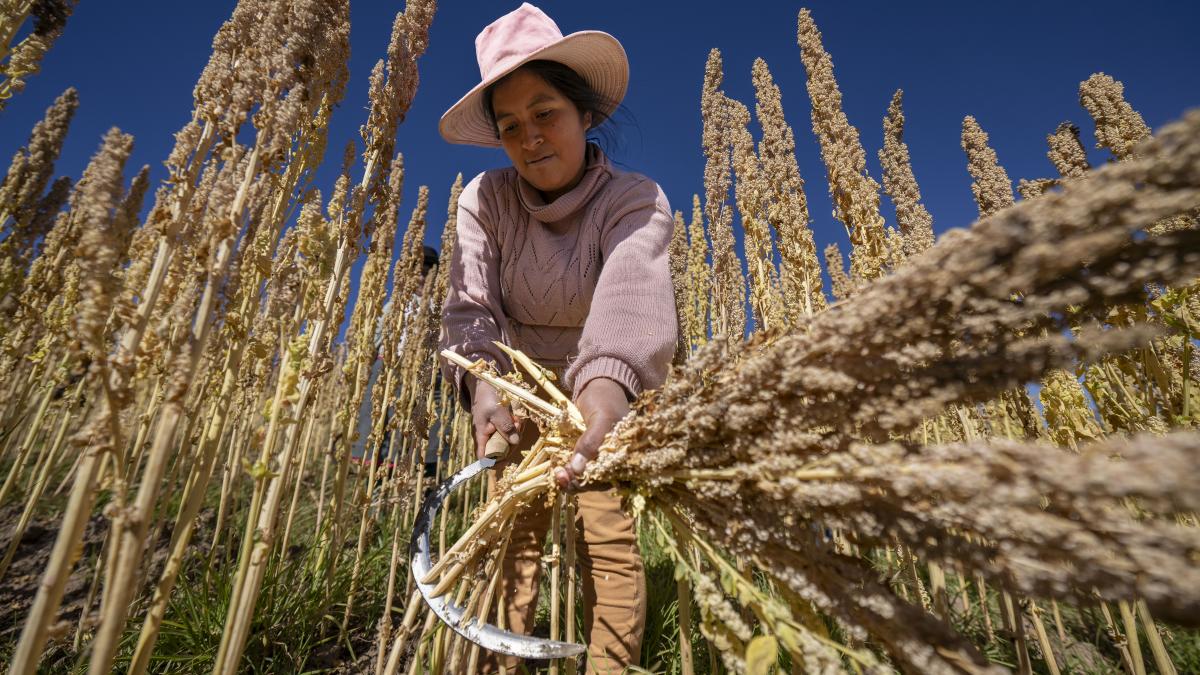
(489, 416)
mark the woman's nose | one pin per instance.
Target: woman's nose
(532, 138)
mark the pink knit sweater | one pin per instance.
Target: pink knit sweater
(581, 284)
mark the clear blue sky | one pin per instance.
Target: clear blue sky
(1015, 66)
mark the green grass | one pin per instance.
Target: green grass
(294, 629)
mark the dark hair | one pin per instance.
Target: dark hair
(572, 86)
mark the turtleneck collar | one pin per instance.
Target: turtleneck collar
(596, 173)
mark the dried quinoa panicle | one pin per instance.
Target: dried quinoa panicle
(763, 437)
(1067, 152)
(787, 210)
(1119, 127)
(914, 221)
(728, 296)
(855, 194)
(991, 187)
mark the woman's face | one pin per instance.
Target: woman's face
(541, 131)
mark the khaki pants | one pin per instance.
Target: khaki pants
(611, 576)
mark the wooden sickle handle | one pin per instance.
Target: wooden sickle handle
(496, 447)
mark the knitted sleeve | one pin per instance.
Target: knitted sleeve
(630, 332)
(473, 315)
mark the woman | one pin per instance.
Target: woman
(564, 257)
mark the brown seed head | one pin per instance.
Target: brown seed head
(99, 250)
(1118, 126)
(449, 239)
(752, 195)
(840, 283)
(728, 281)
(1036, 187)
(855, 194)
(787, 210)
(916, 225)
(1066, 152)
(677, 255)
(699, 278)
(33, 165)
(992, 188)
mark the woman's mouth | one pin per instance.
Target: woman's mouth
(540, 160)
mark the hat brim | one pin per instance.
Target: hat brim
(597, 56)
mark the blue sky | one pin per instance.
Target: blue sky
(1015, 66)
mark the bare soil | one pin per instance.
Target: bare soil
(20, 583)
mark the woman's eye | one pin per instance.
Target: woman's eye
(545, 114)
(508, 129)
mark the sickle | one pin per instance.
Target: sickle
(483, 634)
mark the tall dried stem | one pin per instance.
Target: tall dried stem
(96, 204)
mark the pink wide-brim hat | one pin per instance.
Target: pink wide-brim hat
(527, 34)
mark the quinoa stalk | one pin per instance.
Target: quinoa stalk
(1043, 639)
(728, 282)
(118, 594)
(103, 433)
(301, 466)
(370, 304)
(378, 151)
(1014, 623)
(556, 574)
(1131, 635)
(49, 463)
(1119, 640)
(385, 622)
(1162, 660)
(24, 59)
(31, 432)
(569, 563)
(913, 219)
(683, 600)
(214, 430)
(787, 205)
(12, 24)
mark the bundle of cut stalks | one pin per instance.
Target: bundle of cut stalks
(805, 454)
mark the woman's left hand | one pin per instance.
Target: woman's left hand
(602, 403)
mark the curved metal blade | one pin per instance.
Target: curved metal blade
(482, 634)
